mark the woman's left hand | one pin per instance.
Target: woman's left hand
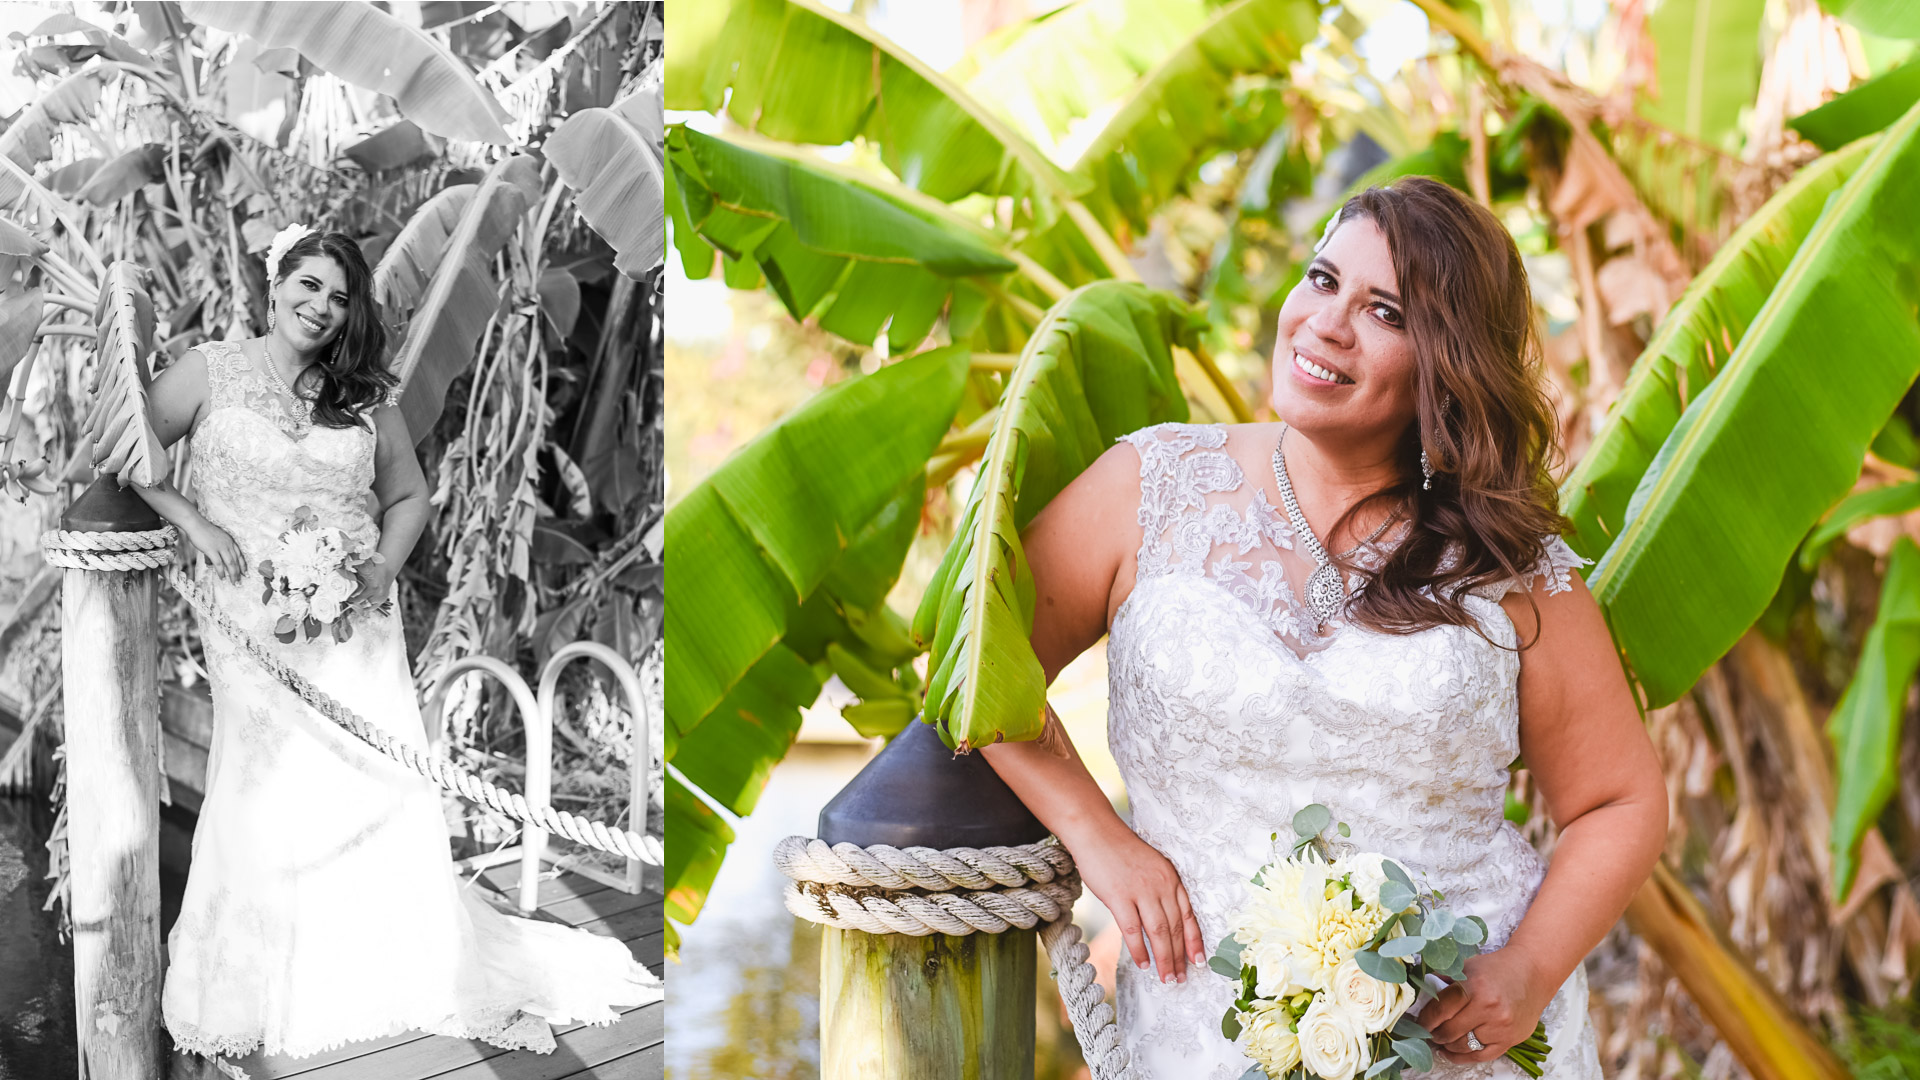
(376, 580)
(1499, 1001)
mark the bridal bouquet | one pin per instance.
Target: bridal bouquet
(1330, 953)
(310, 577)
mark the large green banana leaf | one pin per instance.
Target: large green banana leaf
(1865, 726)
(124, 444)
(611, 157)
(828, 246)
(1899, 19)
(1865, 109)
(28, 141)
(782, 560)
(1706, 65)
(700, 838)
(1099, 366)
(1778, 437)
(767, 527)
(1691, 347)
(1045, 73)
(802, 73)
(371, 49)
(447, 322)
(1176, 117)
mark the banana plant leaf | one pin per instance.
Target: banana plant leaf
(1177, 116)
(1051, 70)
(829, 247)
(1706, 65)
(802, 73)
(1854, 509)
(444, 326)
(373, 50)
(1099, 366)
(611, 158)
(1865, 726)
(700, 839)
(1898, 19)
(1742, 478)
(1865, 109)
(124, 443)
(1691, 348)
(28, 141)
(765, 530)
(734, 748)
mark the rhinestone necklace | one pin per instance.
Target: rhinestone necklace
(1326, 586)
(302, 408)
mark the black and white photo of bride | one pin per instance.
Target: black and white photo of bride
(331, 334)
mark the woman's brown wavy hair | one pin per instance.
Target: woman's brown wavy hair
(354, 377)
(1483, 413)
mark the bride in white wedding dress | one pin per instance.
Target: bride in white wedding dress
(321, 907)
(1368, 607)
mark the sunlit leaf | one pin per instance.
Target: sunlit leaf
(371, 49)
(124, 443)
(1738, 484)
(1865, 725)
(611, 158)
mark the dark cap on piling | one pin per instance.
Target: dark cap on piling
(917, 792)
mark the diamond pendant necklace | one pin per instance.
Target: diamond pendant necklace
(302, 408)
(1326, 586)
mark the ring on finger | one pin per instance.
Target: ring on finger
(1474, 1045)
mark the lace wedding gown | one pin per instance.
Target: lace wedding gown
(322, 907)
(1229, 713)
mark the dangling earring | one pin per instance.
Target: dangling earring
(333, 359)
(1426, 471)
(269, 315)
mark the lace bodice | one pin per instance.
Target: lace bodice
(1229, 712)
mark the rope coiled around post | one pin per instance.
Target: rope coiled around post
(153, 549)
(922, 891)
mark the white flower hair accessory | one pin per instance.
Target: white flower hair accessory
(282, 241)
(1325, 234)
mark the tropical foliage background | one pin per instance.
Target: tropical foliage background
(1088, 222)
(500, 165)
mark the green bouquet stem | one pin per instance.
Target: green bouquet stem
(1531, 1054)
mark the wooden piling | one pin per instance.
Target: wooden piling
(110, 658)
(898, 1007)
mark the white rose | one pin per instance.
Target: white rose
(1267, 1037)
(325, 610)
(1332, 1046)
(334, 588)
(1367, 875)
(1372, 1004)
(1274, 967)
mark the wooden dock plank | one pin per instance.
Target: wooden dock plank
(577, 1049)
(647, 1064)
(428, 1056)
(505, 879)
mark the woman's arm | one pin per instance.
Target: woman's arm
(174, 404)
(1592, 761)
(402, 492)
(1078, 548)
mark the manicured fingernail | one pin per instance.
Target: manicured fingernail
(1199, 959)
(1143, 965)
(1166, 978)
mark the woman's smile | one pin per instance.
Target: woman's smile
(1316, 373)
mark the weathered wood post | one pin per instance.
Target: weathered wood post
(110, 668)
(900, 1007)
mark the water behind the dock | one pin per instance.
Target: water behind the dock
(36, 967)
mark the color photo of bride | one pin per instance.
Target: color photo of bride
(332, 339)
(1384, 526)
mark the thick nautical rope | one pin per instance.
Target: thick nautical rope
(149, 550)
(922, 891)
(107, 551)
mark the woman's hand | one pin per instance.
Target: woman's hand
(210, 543)
(1500, 1001)
(1144, 892)
(376, 579)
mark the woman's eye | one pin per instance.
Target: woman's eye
(1388, 315)
(1321, 279)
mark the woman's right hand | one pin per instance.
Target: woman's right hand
(212, 545)
(1144, 892)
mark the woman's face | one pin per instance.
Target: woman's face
(310, 303)
(1343, 362)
